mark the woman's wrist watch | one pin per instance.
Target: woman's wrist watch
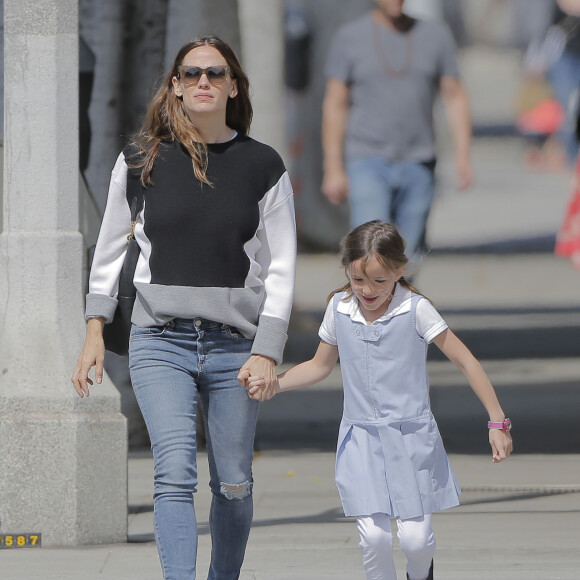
(505, 425)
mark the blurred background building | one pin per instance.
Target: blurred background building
(127, 44)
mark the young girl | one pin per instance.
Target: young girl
(390, 457)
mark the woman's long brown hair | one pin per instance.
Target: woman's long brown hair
(166, 119)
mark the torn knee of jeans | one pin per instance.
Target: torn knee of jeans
(235, 491)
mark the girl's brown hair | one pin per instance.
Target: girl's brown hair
(374, 239)
(166, 119)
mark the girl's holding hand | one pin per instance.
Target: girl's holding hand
(390, 462)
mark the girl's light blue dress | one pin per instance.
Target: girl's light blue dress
(390, 456)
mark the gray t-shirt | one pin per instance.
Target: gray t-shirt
(391, 115)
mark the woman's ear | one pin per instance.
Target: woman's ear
(177, 87)
(401, 272)
(234, 89)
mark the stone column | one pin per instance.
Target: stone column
(63, 460)
(187, 19)
(102, 27)
(262, 39)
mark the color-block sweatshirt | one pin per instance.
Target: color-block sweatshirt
(224, 252)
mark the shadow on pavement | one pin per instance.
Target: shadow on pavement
(545, 419)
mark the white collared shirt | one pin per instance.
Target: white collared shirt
(429, 322)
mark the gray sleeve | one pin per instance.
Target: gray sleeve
(100, 306)
(270, 338)
(338, 65)
(447, 54)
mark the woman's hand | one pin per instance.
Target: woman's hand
(501, 444)
(261, 368)
(256, 387)
(92, 355)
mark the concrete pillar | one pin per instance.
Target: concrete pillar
(63, 460)
(262, 40)
(320, 224)
(102, 27)
(187, 19)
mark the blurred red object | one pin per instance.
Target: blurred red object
(543, 119)
(568, 236)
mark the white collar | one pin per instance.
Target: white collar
(400, 304)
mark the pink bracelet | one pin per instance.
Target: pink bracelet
(505, 425)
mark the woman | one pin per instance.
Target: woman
(215, 283)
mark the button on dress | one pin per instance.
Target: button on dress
(390, 456)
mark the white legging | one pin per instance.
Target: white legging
(376, 540)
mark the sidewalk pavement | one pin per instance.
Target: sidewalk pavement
(518, 519)
(493, 276)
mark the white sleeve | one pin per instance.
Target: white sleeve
(429, 322)
(277, 258)
(327, 330)
(111, 247)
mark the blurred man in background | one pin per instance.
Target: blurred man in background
(384, 72)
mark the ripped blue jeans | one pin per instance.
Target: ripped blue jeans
(173, 368)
